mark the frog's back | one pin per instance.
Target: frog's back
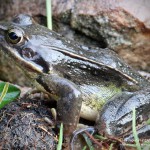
(107, 60)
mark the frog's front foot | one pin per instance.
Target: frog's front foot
(116, 117)
(30, 93)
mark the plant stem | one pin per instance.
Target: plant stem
(49, 14)
(134, 130)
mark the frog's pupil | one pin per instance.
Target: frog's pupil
(13, 36)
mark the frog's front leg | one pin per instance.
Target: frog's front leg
(68, 97)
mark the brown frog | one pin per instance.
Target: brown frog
(82, 81)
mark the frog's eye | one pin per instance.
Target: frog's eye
(14, 36)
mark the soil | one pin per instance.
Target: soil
(23, 125)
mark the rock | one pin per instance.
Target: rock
(123, 25)
(14, 7)
(23, 126)
(62, 9)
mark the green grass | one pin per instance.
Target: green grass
(136, 139)
(111, 146)
(88, 142)
(60, 140)
(49, 14)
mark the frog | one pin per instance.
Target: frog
(81, 80)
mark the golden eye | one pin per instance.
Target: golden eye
(14, 36)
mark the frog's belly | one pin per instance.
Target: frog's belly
(94, 97)
(88, 113)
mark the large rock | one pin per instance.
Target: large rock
(125, 26)
(121, 25)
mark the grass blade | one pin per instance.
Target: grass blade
(88, 141)
(49, 14)
(84, 148)
(134, 130)
(60, 140)
(111, 146)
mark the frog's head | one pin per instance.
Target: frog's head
(16, 41)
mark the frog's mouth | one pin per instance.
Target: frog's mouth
(28, 66)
